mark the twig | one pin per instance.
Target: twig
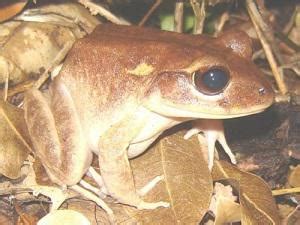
(149, 13)
(255, 16)
(286, 191)
(96, 8)
(223, 19)
(178, 16)
(199, 11)
(267, 29)
(288, 27)
(59, 57)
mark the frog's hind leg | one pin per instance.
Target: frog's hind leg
(56, 135)
(114, 165)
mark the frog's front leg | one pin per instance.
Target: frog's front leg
(213, 131)
(114, 164)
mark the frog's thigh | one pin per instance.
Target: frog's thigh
(136, 149)
(114, 165)
(56, 135)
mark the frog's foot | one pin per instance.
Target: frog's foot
(98, 179)
(97, 200)
(213, 131)
(192, 132)
(152, 205)
(150, 185)
(93, 189)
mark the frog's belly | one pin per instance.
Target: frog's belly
(154, 125)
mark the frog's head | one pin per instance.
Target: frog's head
(220, 82)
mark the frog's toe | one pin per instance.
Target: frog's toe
(150, 185)
(153, 205)
(210, 164)
(233, 159)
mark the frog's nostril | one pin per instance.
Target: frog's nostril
(262, 91)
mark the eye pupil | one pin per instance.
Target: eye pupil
(215, 79)
(212, 81)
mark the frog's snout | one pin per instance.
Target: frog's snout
(265, 93)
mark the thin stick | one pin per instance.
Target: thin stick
(267, 29)
(199, 11)
(288, 27)
(178, 16)
(149, 13)
(285, 191)
(219, 26)
(96, 8)
(254, 15)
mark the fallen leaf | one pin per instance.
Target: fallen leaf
(24, 218)
(257, 204)
(290, 214)
(224, 205)
(67, 12)
(294, 177)
(57, 194)
(187, 183)
(15, 143)
(64, 216)
(5, 219)
(30, 48)
(8, 10)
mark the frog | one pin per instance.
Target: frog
(121, 87)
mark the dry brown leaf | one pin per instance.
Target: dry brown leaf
(28, 49)
(224, 205)
(55, 193)
(187, 183)
(289, 213)
(64, 217)
(257, 203)
(8, 10)
(5, 219)
(68, 13)
(294, 177)
(15, 144)
(89, 209)
(26, 219)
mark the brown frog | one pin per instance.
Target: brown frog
(122, 86)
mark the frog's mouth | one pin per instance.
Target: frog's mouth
(171, 111)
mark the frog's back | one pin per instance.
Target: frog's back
(119, 62)
(109, 71)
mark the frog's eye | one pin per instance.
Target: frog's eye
(211, 82)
